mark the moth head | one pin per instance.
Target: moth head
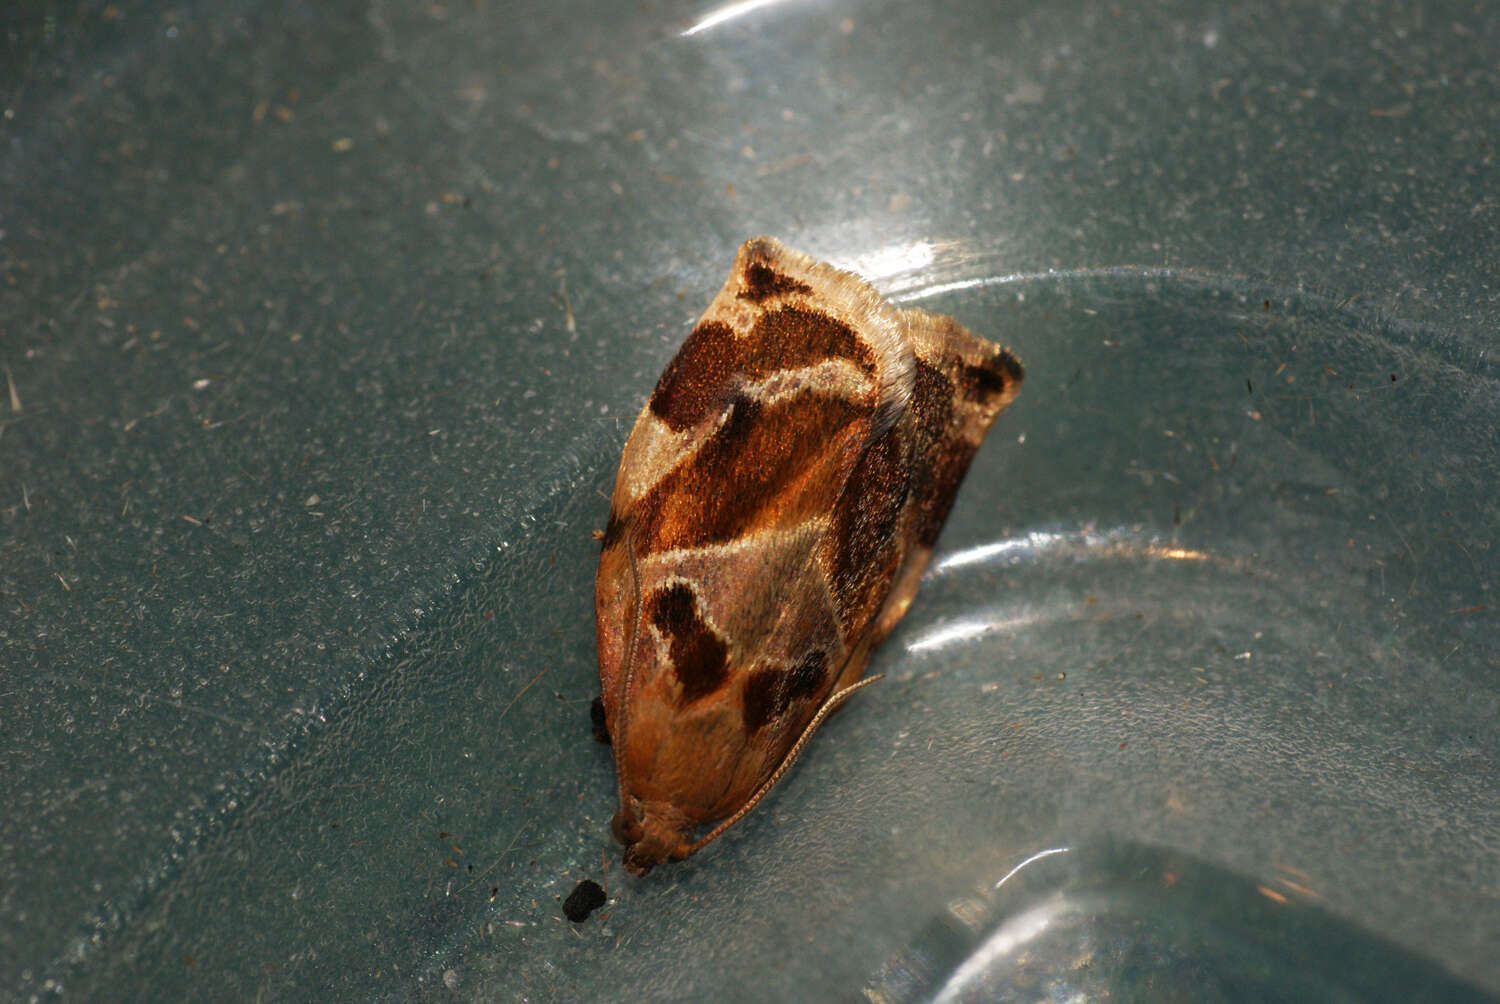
(652, 834)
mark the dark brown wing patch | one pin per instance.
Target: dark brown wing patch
(770, 692)
(994, 379)
(863, 537)
(690, 388)
(713, 364)
(699, 655)
(762, 282)
(766, 466)
(942, 454)
(946, 444)
(803, 337)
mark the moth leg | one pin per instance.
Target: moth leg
(828, 708)
(597, 720)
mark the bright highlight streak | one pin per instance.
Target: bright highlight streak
(960, 631)
(1035, 541)
(1177, 553)
(1117, 542)
(896, 259)
(966, 629)
(1035, 857)
(728, 12)
(927, 292)
(1013, 935)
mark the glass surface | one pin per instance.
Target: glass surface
(322, 327)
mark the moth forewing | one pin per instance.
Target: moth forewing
(776, 503)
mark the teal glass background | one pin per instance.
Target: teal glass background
(323, 326)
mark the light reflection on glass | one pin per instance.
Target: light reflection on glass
(1178, 554)
(1116, 542)
(894, 259)
(1051, 274)
(1035, 857)
(958, 631)
(1034, 541)
(1013, 935)
(728, 12)
(927, 292)
(1036, 545)
(970, 627)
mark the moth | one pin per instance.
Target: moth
(776, 503)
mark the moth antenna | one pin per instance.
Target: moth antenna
(618, 741)
(827, 709)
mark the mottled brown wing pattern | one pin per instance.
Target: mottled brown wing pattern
(775, 503)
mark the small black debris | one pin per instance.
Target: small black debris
(585, 898)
